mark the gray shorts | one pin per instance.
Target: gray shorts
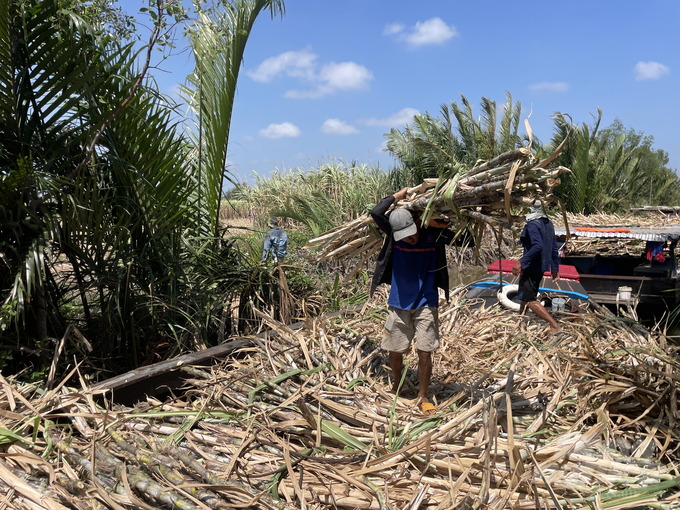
(402, 325)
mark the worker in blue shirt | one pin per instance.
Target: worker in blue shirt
(540, 256)
(413, 262)
(275, 242)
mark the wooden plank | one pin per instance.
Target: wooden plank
(610, 299)
(657, 208)
(130, 387)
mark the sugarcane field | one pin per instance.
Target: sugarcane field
(284, 255)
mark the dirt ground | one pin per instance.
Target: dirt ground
(237, 226)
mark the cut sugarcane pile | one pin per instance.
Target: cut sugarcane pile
(487, 194)
(304, 419)
(639, 219)
(611, 246)
(604, 246)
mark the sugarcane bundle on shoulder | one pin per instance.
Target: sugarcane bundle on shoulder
(486, 193)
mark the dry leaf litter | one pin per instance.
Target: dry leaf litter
(304, 419)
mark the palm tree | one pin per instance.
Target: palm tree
(433, 144)
(218, 40)
(576, 155)
(481, 138)
(655, 183)
(45, 53)
(606, 171)
(93, 166)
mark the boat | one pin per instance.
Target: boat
(648, 279)
(500, 286)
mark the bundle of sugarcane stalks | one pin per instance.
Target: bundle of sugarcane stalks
(486, 194)
(305, 419)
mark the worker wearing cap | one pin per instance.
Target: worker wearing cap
(413, 262)
(275, 242)
(540, 256)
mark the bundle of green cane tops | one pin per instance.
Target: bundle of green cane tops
(487, 194)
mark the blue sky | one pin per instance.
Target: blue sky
(331, 77)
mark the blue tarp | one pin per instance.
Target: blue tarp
(487, 284)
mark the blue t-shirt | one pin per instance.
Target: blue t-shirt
(414, 267)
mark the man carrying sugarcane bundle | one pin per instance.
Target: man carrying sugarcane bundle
(413, 261)
(540, 256)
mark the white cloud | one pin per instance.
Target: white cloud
(334, 76)
(650, 70)
(285, 129)
(424, 33)
(338, 127)
(546, 86)
(346, 76)
(302, 65)
(298, 64)
(382, 147)
(393, 28)
(399, 119)
(307, 94)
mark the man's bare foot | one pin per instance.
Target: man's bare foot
(554, 331)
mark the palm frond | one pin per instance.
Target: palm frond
(218, 40)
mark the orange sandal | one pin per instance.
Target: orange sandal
(427, 408)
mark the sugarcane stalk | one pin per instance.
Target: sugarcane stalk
(521, 153)
(103, 479)
(143, 483)
(360, 222)
(346, 253)
(494, 222)
(519, 180)
(351, 246)
(205, 496)
(494, 173)
(123, 443)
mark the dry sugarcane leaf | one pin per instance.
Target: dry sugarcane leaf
(508, 189)
(12, 393)
(527, 126)
(27, 491)
(605, 361)
(235, 458)
(292, 475)
(55, 358)
(27, 458)
(540, 472)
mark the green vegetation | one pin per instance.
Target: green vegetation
(107, 207)
(320, 198)
(613, 169)
(433, 144)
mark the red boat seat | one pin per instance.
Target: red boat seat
(566, 272)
